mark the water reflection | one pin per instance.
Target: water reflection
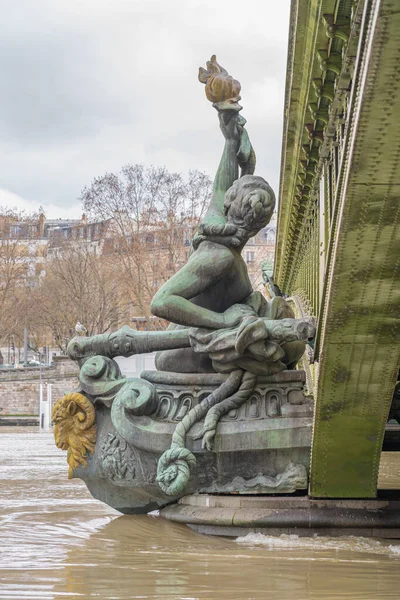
(58, 542)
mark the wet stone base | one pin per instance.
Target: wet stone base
(234, 516)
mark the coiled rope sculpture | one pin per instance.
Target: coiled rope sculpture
(215, 413)
(177, 463)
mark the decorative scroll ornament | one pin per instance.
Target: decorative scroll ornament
(100, 376)
(136, 398)
(74, 428)
(220, 86)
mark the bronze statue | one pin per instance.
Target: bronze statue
(223, 342)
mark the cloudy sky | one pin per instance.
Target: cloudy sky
(90, 85)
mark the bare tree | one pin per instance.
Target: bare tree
(17, 233)
(79, 286)
(152, 215)
(148, 216)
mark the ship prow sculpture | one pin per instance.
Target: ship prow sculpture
(225, 411)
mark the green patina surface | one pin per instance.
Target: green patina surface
(165, 435)
(305, 36)
(355, 289)
(361, 327)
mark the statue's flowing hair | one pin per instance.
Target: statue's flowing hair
(249, 203)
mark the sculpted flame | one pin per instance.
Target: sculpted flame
(220, 85)
(74, 428)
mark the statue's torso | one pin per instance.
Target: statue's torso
(233, 287)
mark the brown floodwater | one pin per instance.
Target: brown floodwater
(58, 542)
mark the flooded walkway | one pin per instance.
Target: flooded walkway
(58, 542)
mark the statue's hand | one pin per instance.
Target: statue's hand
(231, 124)
(235, 314)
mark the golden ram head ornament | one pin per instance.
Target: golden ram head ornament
(74, 429)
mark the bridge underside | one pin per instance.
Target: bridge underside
(338, 243)
(359, 357)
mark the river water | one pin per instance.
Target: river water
(58, 542)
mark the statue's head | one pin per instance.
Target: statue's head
(249, 204)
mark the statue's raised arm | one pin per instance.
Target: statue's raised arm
(223, 91)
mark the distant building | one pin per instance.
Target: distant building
(38, 240)
(27, 241)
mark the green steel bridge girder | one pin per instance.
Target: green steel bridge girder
(360, 341)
